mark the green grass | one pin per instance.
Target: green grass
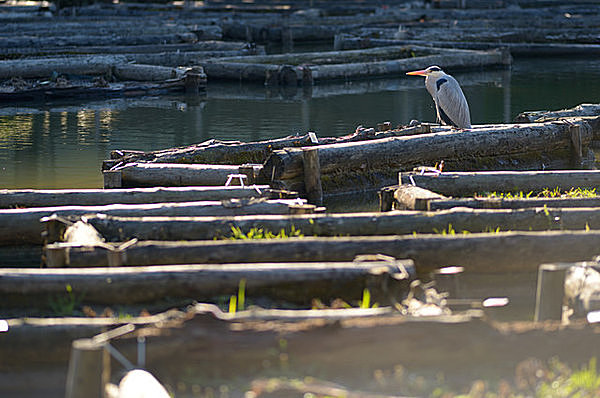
(260, 233)
(65, 304)
(545, 193)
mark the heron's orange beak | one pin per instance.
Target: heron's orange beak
(418, 73)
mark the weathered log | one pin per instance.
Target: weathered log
(461, 184)
(355, 224)
(543, 116)
(414, 198)
(295, 282)
(346, 41)
(146, 53)
(295, 69)
(138, 72)
(486, 253)
(20, 226)
(85, 197)
(235, 152)
(163, 174)
(95, 40)
(459, 149)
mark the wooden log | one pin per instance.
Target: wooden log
(21, 198)
(312, 176)
(294, 282)
(235, 152)
(86, 65)
(410, 197)
(486, 253)
(148, 53)
(550, 292)
(459, 184)
(84, 377)
(458, 149)
(354, 224)
(95, 40)
(307, 71)
(22, 226)
(165, 175)
(543, 116)
(138, 72)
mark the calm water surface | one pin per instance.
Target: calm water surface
(61, 145)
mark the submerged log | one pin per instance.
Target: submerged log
(295, 282)
(355, 224)
(486, 253)
(20, 226)
(84, 197)
(482, 145)
(528, 182)
(168, 175)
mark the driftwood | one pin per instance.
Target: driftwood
(480, 147)
(22, 226)
(471, 183)
(354, 224)
(167, 175)
(85, 197)
(487, 253)
(235, 152)
(294, 282)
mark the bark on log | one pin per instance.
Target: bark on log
(235, 152)
(502, 203)
(85, 197)
(87, 65)
(294, 282)
(20, 226)
(460, 184)
(163, 174)
(479, 146)
(493, 253)
(355, 224)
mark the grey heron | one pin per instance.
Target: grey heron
(450, 102)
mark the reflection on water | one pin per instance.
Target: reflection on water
(63, 145)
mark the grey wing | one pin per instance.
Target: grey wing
(452, 103)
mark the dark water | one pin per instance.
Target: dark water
(61, 145)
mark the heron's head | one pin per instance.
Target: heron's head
(433, 71)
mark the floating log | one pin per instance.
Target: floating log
(482, 146)
(460, 184)
(485, 253)
(354, 224)
(166, 175)
(301, 69)
(294, 282)
(543, 116)
(21, 198)
(235, 152)
(22, 226)
(347, 41)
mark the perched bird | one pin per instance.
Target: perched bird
(450, 102)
